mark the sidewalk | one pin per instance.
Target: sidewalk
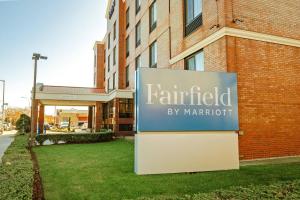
(5, 140)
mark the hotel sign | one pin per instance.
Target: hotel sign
(180, 100)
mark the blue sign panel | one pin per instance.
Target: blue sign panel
(180, 100)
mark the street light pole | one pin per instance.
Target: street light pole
(35, 57)
(3, 83)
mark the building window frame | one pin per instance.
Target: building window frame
(197, 19)
(114, 81)
(127, 46)
(127, 17)
(153, 55)
(137, 6)
(127, 75)
(153, 15)
(115, 30)
(193, 56)
(138, 63)
(138, 33)
(114, 55)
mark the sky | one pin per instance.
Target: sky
(63, 30)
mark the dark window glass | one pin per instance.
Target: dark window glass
(127, 46)
(153, 55)
(138, 62)
(110, 109)
(125, 127)
(115, 30)
(114, 81)
(138, 34)
(127, 76)
(108, 85)
(114, 56)
(193, 15)
(137, 6)
(153, 16)
(127, 18)
(126, 108)
(195, 62)
(105, 111)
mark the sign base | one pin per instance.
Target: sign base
(161, 152)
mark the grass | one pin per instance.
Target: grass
(16, 173)
(105, 171)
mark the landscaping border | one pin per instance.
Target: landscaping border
(37, 189)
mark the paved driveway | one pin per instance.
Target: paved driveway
(5, 140)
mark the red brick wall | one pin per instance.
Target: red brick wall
(122, 44)
(100, 83)
(213, 14)
(269, 97)
(276, 17)
(215, 56)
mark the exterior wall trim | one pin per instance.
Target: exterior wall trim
(226, 31)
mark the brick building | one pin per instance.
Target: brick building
(259, 40)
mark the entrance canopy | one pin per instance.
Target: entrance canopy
(76, 96)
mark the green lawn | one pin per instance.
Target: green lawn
(105, 171)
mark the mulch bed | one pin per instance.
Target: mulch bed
(38, 191)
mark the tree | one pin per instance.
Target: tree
(23, 123)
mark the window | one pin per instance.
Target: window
(105, 111)
(108, 41)
(114, 81)
(138, 63)
(138, 34)
(127, 76)
(126, 108)
(127, 18)
(110, 109)
(153, 55)
(115, 31)
(125, 127)
(108, 85)
(153, 16)
(108, 63)
(193, 15)
(114, 56)
(137, 6)
(195, 62)
(127, 46)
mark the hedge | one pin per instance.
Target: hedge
(75, 138)
(16, 171)
(281, 190)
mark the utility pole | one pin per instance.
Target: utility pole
(3, 103)
(35, 57)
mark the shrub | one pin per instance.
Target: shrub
(75, 138)
(16, 172)
(23, 123)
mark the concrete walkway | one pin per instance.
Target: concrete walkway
(280, 160)
(5, 140)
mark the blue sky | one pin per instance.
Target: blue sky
(63, 30)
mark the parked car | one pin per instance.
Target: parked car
(64, 125)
